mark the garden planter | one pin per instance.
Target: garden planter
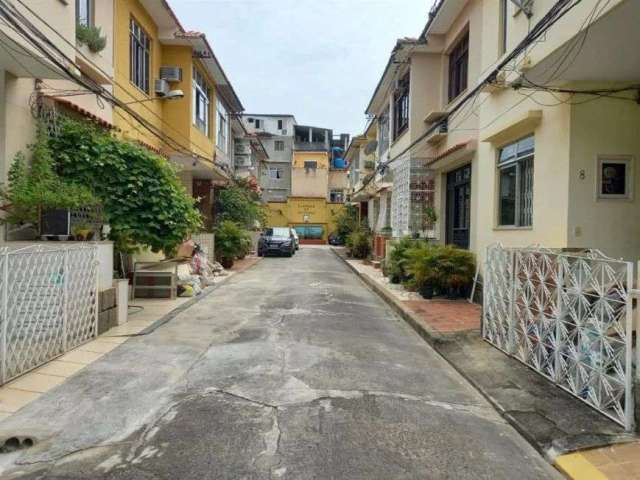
(427, 291)
(226, 263)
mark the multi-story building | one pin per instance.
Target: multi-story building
(155, 57)
(34, 89)
(276, 132)
(506, 144)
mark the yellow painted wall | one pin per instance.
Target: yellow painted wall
(174, 117)
(321, 157)
(293, 212)
(124, 89)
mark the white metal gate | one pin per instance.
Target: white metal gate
(567, 316)
(48, 304)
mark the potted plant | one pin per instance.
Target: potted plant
(430, 219)
(423, 265)
(458, 269)
(386, 232)
(82, 232)
(230, 238)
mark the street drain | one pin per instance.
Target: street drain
(16, 443)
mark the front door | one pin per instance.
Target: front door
(459, 206)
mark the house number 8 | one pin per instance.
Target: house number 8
(582, 174)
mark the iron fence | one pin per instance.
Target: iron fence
(48, 304)
(568, 317)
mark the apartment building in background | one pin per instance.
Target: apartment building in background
(276, 133)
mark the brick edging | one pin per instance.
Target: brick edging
(430, 335)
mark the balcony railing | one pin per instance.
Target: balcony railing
(311, 146)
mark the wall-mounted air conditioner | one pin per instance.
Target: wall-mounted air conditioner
(171, 74)
(161, 87)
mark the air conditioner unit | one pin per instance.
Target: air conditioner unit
(171, 74)
(161, 87)
(443, 127)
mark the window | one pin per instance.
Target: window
(257, 123)
(615, 177)
(279, 146)
(84, 12)
(223, 126)
(336, 196)
(310, 165)
(200, 102)
(458, 67)
(140, 57)
(401, 107)
(250, 120)
(502, 47)
(274, 173)
(280, 125)
(515, 170)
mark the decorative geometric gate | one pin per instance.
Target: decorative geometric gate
(48, 304)
(568, 317)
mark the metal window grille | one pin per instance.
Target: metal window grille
(48, 304)
(568, 317)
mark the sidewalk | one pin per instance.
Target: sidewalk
(576, 439)
(143, 313)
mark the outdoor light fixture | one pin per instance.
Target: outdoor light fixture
(172, 95)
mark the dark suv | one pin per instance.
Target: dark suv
(276, 240)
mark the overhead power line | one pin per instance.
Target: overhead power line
(63, 63)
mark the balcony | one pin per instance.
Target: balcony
(312, 139)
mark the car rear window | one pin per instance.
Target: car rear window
(277, 232)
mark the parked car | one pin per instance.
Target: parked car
(335, 240)
(296, 238)
(278, 241)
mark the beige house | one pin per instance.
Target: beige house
(32, 83)
(559, 169)
(500, 142)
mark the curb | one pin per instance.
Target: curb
(428, 334)
(435, 339)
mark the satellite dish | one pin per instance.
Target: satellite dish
(370, 147)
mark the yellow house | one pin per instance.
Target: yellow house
(313, 218)
(173, 81)
(314, 182)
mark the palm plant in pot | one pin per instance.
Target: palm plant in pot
(423, 266)
(457, 267)
(230, 242)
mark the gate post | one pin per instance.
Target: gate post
(558, 347)
(5, 316)
(629, 398)
(65, 295)
(512, 301)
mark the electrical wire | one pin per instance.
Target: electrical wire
(92, 86)
(557, 11)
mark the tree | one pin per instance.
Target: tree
(34, 187)
(238, 204)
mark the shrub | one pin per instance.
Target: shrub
(359, 243)
(445, 269)
(92, 37)
(346, 221)
(35, 186)
(237, 204)
(231, 242)
(396, 265)
(143, 200)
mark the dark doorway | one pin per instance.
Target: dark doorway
(459, 206)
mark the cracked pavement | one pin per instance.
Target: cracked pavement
(292, 370)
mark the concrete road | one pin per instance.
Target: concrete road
(292, 370)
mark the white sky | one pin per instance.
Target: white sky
(317, 59)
